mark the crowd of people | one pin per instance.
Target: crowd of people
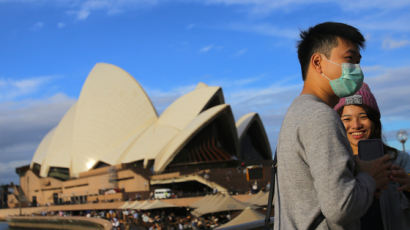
(161, 219)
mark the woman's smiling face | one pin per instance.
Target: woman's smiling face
(357, 124)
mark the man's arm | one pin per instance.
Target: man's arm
(344, 196)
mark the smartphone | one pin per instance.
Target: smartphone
(370, 149)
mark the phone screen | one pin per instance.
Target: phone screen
(370, 149)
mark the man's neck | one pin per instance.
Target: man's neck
(312, 88)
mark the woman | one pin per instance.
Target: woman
(360, 115)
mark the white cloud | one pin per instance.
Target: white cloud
(83, 9)
(265, 29)
(22, 150)
(60, 25)
(82, 14)
(8, 171)
(378, 15)
(390, 43)
(379, 23)
(259, 6)
(11, 89)
(206, 49)
(240, 52)
(246, 81)
(190, 26)
(372, 69)
(391, 89)
(375, 16)
(32, 113)
(37, 26)
(11, 166)
(272, 97)
(373, 4)
(392, 136)
(238, 83)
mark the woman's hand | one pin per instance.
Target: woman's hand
(400, 176)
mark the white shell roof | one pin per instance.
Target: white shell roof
(245, 122)
(59, 149)
(180, 113)
(171, 122)
(168, 153)
(41, 150)
(112, 108)
(114, 122)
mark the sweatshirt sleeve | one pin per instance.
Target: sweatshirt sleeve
(344, 195)
(403, 160)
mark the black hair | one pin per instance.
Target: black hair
(322, 38)
(376, 132)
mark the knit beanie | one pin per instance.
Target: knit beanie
(362, 97)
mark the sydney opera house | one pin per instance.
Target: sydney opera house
(113, 145)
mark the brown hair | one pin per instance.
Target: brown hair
(376, 132)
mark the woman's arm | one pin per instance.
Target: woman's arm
(401, 172)
(400, 176)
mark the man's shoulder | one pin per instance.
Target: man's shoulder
(309, 107)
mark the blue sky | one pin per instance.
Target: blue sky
(48, 47)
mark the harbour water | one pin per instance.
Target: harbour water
(4, 226)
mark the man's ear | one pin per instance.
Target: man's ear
(315, 62)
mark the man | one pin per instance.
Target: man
(319, 183)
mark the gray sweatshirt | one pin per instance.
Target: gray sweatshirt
(395, 205)
(317, 172)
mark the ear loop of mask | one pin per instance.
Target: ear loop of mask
(331, 61)
(325, 76)
(325, 58)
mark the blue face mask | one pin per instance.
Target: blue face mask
(349, 82)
